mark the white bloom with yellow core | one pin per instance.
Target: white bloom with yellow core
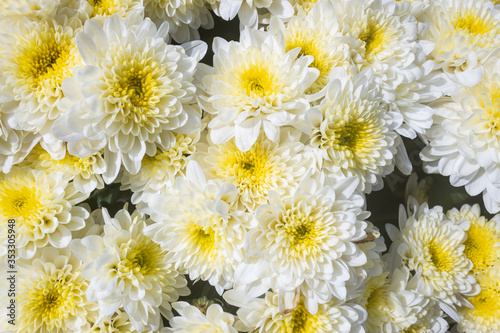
(262, 315)
(158, 172)
(485, 314)
(318, 36)
(463, 142)
(44, 208)
(51, 294)
(267, 166)
(132, 93)
(306, 242)
(433, 247)
(353, 131)
(35, 59)
(192, 320)
(127, 269)
(464, 34)
(255, 84)
(184, 17)
(416, 7)
(482, 246)
(199, 225)
(100, 10)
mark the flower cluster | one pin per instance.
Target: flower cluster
(137, 170)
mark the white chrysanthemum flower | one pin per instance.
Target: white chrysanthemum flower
(464, 138)
(464, 34)
(133, 91)
(201, 227)
(317, 35)
(118, 322)
(393, 307)
(485, 314)
(158, 172)
(482, 245)
(267, 166)
(251, 12)
(383, 39)
(432, 246)
(126, 268)
(255, 85)
(417, 7)
(35, 59)
(51, 294)
(353, 130)
(306, 242)
(15, 144)
(305, 6)
(44, 207)
(259, 315)
(84, 172)
(184, 17)
(99, 10)
(192, 320)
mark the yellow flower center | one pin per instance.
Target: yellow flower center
(204, 240)
(479, 246)
(302, 321)
(257, 80)
(70, 164)
(19, 202)
(375, 37)
(252, 169)
(354, 137)
(144, 258)
(440, 257)
(487, 302)
(53, 299)
(47, 60)
(472, 24)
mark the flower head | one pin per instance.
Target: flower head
(484, 316)
(432, 246)
(266, 166)
(126, 268)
